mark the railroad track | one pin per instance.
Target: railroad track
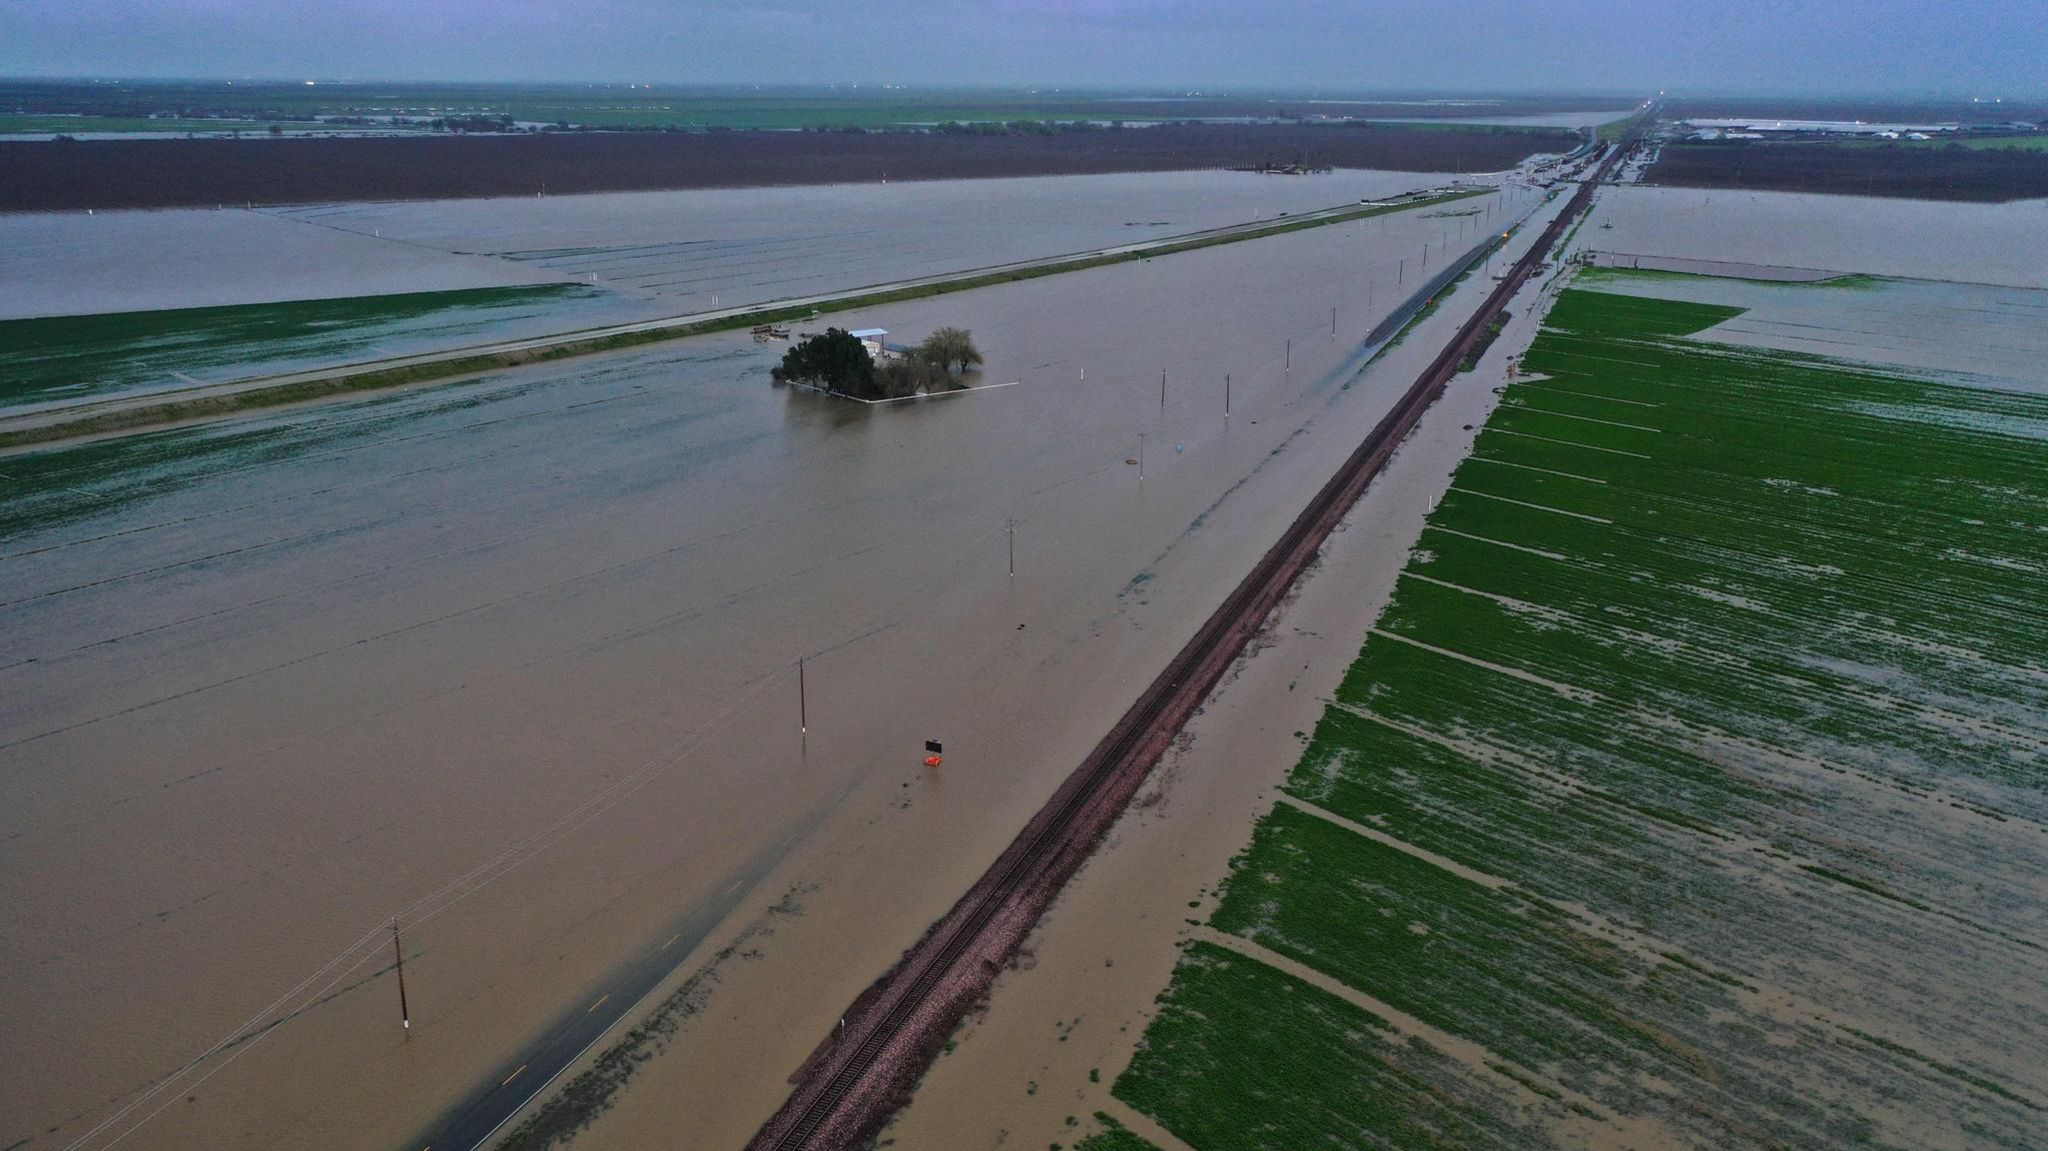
(887, 1039)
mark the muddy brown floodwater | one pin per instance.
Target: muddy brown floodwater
(516, 660)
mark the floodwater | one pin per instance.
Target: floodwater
(516, 661)
(709, 249)
(1975, 334)
(695, 250)
(1061, 1026)
(72, 263)
(1925, 239)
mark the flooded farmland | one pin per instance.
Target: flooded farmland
(1722, 780)
(135, 302)
(514, 661)
(695, 249)
(1923, 239)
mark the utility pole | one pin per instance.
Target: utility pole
(1162, 389)
(1289, 366)
(1333, 321)
(803, 706)
(404, 1011)
(1226, 395)
(1013, 547)
(1141, 455)
(1401, 271)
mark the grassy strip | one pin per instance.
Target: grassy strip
(1485, 341)
(377, 379)
(1612, 131)
(1430, 306)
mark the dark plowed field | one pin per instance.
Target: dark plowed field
(1986, 174)
(71, 175)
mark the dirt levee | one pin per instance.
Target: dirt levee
(100, 174)
(1951, 173)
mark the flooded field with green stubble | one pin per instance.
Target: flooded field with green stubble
(1689, 793)
(51, 358)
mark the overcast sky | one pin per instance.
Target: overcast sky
(1958, 47)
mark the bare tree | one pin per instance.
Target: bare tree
(948, 346)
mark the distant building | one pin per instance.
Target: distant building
(873, 340)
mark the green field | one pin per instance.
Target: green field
(64, 357)
(1704, 746)
(1612, 131)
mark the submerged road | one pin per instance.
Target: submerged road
(504, 1091)
(890, 1035)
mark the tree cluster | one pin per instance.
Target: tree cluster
(471, 124)
(836, 362)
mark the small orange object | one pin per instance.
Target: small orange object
(933, 760)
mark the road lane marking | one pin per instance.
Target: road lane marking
(599, 1003)
(511, 1077)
